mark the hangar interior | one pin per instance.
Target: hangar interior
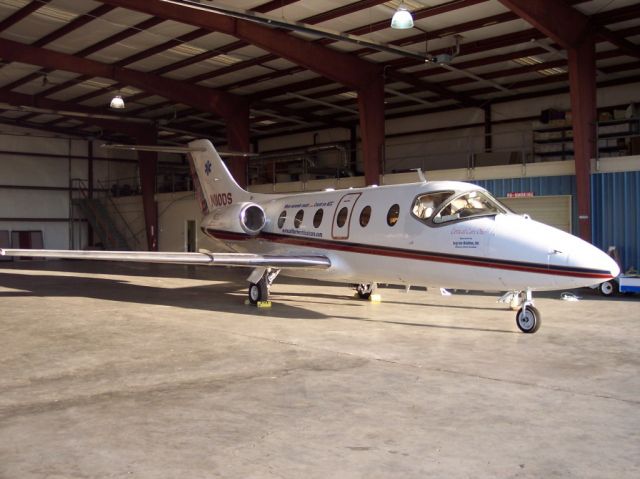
(162, 371)
(325, 94)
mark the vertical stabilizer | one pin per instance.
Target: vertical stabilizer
(214, 184)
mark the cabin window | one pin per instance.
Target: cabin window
(426, 205)
(297, 221)
(469, 205)
(282, 218)
(342, 216)
(317, 218)
(365, 216)
(393, 215)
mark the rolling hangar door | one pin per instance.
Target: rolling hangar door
(554, 210)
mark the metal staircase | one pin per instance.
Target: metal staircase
(96, 212)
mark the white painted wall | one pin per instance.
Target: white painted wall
(174, 210)
(49, 209)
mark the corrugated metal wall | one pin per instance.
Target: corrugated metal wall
(614, 200)
(540, 186)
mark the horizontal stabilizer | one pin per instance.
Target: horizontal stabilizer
(211, 259)
(170, 149)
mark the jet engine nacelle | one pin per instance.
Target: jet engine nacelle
(248, 218)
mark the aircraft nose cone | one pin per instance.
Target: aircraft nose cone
(586, 255)
(613, 267)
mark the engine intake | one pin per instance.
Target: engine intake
(252, 218)
(248, 218)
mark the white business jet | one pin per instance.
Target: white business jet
(437, 233)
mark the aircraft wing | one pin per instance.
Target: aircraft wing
(211, 259)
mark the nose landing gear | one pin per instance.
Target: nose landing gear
(528, 317)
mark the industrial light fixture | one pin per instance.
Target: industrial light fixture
(402, 19)
(117, 102)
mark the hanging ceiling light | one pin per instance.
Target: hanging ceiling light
(402, 19)
(117, 102)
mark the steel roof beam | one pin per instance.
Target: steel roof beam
(71, 111)
(156, 49)
(232, 108)
(221, 103)
(342, 67)
(151, 22)
(24, 12)
(625, 45)
(422, 13)
(339, 66)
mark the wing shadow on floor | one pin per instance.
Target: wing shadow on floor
(221, 297)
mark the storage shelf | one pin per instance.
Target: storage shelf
(613, 139)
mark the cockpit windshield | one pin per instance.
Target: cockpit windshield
(426, 205)
(445, 206)
(468, 205)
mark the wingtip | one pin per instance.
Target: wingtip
(2, 252)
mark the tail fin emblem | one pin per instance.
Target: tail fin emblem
(207, 167)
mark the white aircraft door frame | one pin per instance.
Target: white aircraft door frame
(347, 201)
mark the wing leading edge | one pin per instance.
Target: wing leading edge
(211, 259)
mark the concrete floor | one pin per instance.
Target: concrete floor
(110, 370)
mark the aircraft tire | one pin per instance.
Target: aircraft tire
(364, 291)
(608, 288)
(258, 291)
(528, 319)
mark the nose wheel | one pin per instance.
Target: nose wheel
(528, 316)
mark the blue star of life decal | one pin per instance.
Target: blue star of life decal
(207, 167)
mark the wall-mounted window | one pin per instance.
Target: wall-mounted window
(342, 216)
(393, 215)
(297, 221)
(365, 216)
(317, 218)
(282, 218)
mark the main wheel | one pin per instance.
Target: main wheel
(364, 291)
(258, 291)
(528, 319)
(607, 288)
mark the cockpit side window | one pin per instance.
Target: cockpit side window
(426, 205)
(468, 205)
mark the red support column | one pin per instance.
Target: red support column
(573, 30)
(371, 107)
(90, 185)
(148, 172)
(238, 140)
(582, 79)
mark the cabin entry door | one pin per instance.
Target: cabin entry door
(342, 216)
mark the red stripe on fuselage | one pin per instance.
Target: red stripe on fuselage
(409, 254)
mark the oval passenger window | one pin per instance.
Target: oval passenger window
(317, 218)
(365, 216)
(393, 215)
(342, 217)
(297, 221)
(282, 218)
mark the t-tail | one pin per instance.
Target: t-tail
(214, 185)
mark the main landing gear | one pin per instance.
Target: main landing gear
(364, 290)
(528, 317)
(260, 283)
